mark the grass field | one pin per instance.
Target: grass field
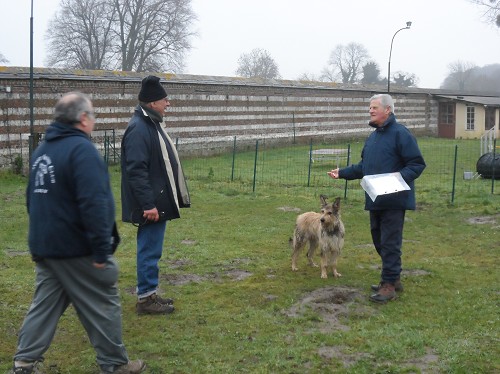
(240, 308)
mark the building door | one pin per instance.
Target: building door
(446, 120)
(489, 118)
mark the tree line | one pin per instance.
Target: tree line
(349, 64)
(128, 35)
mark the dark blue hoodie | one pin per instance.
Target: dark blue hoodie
(69, 199)
(390, 148)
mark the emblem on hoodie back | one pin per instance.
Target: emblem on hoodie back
(43, 171)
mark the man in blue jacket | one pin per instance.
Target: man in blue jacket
(72, 237)
(390, 148)
(153, 189)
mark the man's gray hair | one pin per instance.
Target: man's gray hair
(385, 100)
(71, 106)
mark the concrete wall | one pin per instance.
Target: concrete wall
(205, 109)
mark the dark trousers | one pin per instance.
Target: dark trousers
(94, 295)
(387, 234)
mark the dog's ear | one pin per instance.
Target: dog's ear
(336, 204)
(323, 198)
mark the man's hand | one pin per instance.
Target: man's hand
(98, 265)
(334, 173)
(151, 215)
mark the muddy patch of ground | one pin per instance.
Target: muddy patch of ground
(333, 305)
(230, 270)
(182, 279)
(485, 220)
(425, 364)
(289, 209)
(179, 263)
(14, 253)
(341, 354)
(415, 272)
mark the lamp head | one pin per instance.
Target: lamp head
(408, 24)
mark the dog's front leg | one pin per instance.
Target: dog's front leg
(324, 265)
(336, 274)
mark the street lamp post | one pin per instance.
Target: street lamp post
(408, 25)
(32, 119)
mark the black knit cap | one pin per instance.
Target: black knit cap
(151, 90)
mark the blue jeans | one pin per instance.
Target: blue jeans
(387, 235)
(149, 250)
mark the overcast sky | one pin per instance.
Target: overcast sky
(300, 35)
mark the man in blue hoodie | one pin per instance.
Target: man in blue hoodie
(390, 148)
(72, 237)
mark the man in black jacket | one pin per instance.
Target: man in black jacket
(153, 189)
(72, 237)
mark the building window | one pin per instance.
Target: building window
(446, 113)
(470, 118)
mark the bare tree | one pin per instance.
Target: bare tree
(134, 35)
(473, 78)
(492, 13)
(461, 73)
(80, 35)
(257, 64)
(329, 74)
(154, 35)
(348, 60)
(3, 59)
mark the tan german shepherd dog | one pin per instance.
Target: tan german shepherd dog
(324, 229)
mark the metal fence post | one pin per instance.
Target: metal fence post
(114, 147)
(234, 157)
(255, 164)
(454, 174)
(106, 149)
(310, 162)
(493, 167)
(348, 163)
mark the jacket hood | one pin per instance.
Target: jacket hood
(59, 130)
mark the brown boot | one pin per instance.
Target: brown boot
(166, 301)
(386, 292)
(397, 285)
(151, 305)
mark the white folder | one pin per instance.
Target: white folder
(383, 184)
